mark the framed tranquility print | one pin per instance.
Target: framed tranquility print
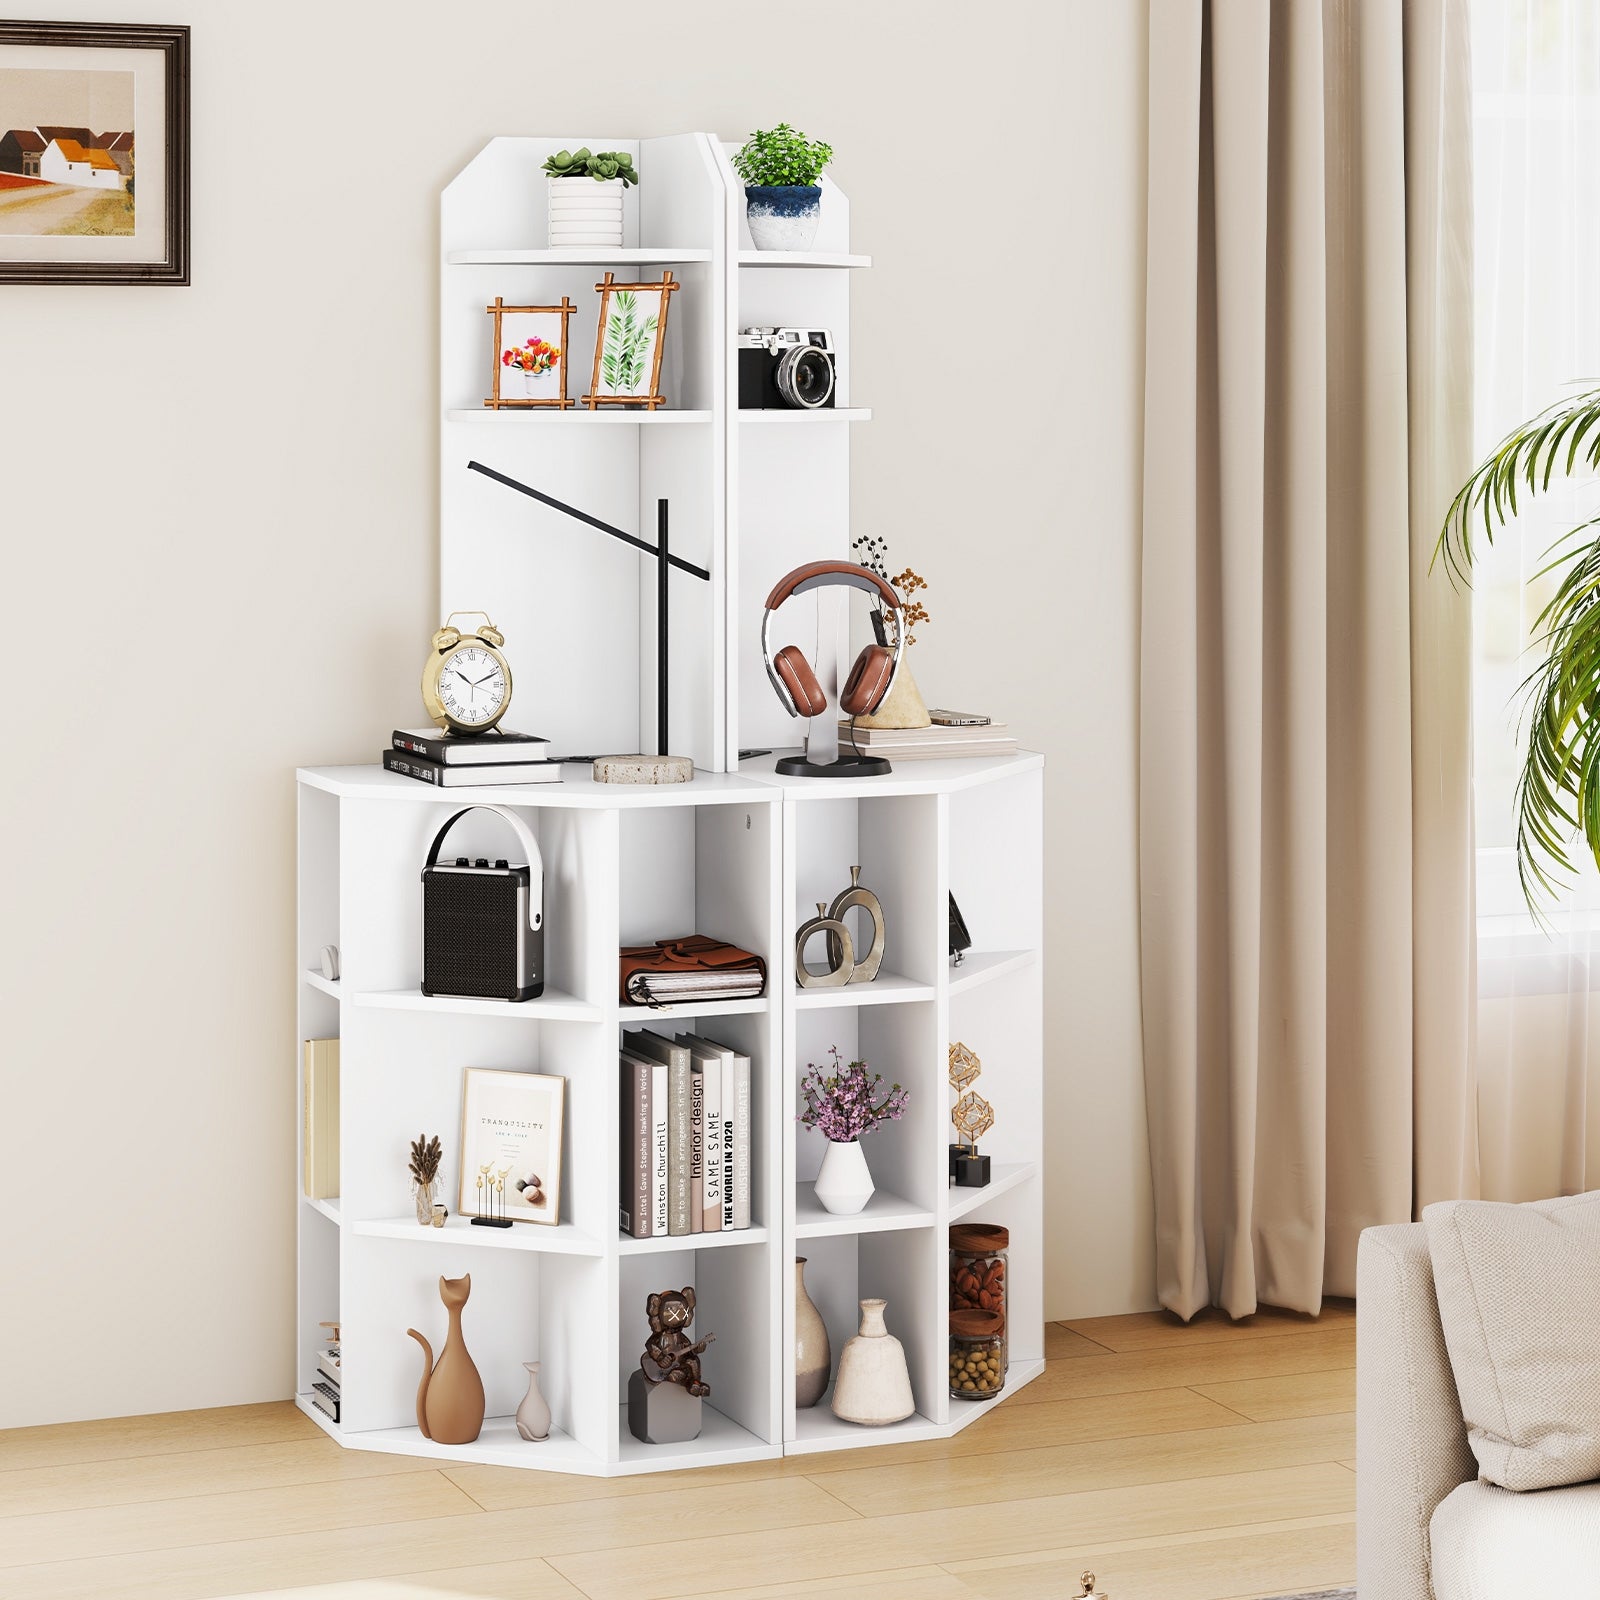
(94, 153)
(511, 1146)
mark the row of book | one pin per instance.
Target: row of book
(685, 1136)
(453, 760)
(325, 1386)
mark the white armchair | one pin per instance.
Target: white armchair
(1426, 1528)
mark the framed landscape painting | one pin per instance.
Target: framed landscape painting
(94, 153)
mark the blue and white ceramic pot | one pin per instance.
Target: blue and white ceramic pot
(783, 217)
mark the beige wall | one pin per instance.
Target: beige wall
(219, 522)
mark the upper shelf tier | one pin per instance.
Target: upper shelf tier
(576, 789)
(908, 777)
(800, 258)
(579, 416)
(665, 255)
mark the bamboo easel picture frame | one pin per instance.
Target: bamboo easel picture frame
(624, 344)
(512, 339)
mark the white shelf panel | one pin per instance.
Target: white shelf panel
(910, 777)
(882, 1213)
(577, 789)
(1007, 1175)
(498, 1444)
(629, 1246)
(800, 258)
(817, 418)
(458, 1232)
(721, 1441)
(321, 1418)
(581, 256)
(887, 989)
(817, 1429)
(983, 966)
(317, 981)
(963, 1413)
(329, 1208)
(580, 417)
(554, 1005)
(698, 1008)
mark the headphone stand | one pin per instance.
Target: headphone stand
(845, 767)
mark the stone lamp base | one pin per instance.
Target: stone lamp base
(661, 1413)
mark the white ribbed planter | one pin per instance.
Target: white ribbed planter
(584, 213)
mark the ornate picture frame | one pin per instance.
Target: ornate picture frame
(630, 341)
(540, 374)
(90, 113)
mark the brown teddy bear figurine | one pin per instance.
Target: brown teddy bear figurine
(668, 1350)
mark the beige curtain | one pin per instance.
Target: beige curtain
(1305, 811)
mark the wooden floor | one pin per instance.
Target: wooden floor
(1178, 1463)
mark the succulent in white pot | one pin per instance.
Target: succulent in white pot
(584, 201)
(783, 200)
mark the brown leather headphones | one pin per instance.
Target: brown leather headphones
(867, 684)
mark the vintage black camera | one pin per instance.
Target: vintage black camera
(780, 367)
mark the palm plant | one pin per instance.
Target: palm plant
(1558, 791)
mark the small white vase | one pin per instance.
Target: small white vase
(585, 213)
(533, 1415)
(844, 1185)
(873, 1386)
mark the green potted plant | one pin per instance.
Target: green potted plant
(783, 201)
(585, 198)
(1558, 793)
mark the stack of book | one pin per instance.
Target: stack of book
(685, 1136)
(454, 760)
(937, 743)
(325, 1386)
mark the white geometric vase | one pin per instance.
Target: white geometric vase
(844, 1185)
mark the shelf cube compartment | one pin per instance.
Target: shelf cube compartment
(906, 1156)
(901, 1268)
(522, 1307)
(736, 1298)
(412, 1082)
(1002, 1024)
(750, 1034)
(384, 846)
(894, 841)
(994, 832)
(1019, 1210)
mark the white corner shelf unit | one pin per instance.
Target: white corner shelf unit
(739, 852)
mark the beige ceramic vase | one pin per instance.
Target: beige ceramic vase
(873, 1386)
(450, 1396)
(903, 706)
(813, 1358)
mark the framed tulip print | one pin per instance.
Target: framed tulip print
(530, 355)
(94, 153)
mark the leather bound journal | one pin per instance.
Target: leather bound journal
(672, 971)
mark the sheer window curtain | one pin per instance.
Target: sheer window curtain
(1536, 181)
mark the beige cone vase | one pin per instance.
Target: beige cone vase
(873, 1386)
(903, 707)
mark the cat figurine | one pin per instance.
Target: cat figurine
(450, 1396)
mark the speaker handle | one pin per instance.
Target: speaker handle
(524, 837)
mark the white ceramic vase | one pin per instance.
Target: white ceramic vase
(873, 1386)
(585, 213)
(533, 1415)
(844, 1185)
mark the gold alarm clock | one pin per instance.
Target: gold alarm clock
(466, 682)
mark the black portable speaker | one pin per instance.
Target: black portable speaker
(483, 921)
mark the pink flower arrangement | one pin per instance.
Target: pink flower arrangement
(536, 357)
(841, 1106)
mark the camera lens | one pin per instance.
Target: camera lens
(804, 377)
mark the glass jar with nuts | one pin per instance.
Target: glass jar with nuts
(977, 1369)
(978, 1274)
